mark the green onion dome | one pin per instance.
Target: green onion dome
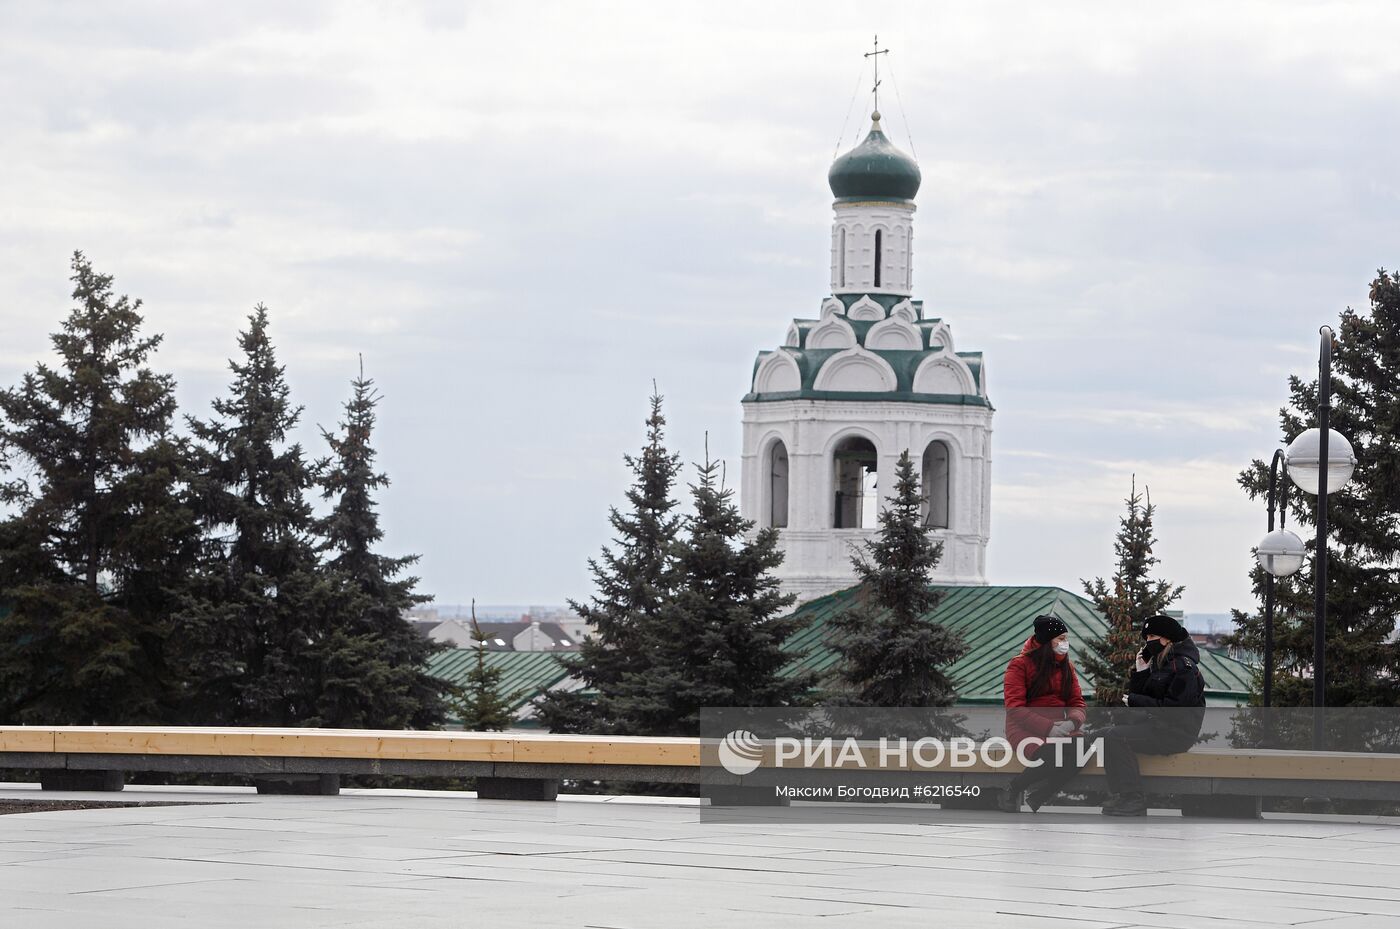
(874, 170)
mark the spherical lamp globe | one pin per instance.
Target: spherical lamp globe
(1303, 458)
(1281, 553)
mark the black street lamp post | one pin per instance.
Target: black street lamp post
(1269, 584)
(1280, 554)
(1324, 409)
(1320, 461)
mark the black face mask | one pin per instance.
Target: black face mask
(1151, 650)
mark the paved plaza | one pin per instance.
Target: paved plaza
(404, 859)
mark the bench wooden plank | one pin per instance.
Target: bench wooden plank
(26, 739)
(552, 749)
(1277, 765)
(611, 750)
(287, 743)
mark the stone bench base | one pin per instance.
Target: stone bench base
(1222, 807)
(302, 785)
(66, 779)
(516, 788)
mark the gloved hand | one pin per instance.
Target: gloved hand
(1141, 665)
(1061, 728)
(1125, 699)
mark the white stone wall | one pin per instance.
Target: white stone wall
(858, 222)
(818, 556)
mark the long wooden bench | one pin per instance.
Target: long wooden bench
(530, 766)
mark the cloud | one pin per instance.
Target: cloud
(1171, 416)
(522, 215)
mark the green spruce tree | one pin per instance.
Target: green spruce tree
(892, 653)
(1125, 601)
(374, 662)
(252, 631)
(635, 581)
(482, 703)
(720, 641)
(96, 551)
(1363, 551)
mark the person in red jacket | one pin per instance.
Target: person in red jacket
(1043, 701)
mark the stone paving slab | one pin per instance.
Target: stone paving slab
(402, 859)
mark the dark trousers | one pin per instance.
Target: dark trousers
(1048, 776)
(1122, 745)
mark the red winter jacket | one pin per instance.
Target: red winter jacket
(1028, 721)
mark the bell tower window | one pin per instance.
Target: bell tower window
(878, 257)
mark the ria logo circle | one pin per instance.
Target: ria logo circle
(740, 752)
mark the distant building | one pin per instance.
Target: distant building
(501, 637)
(425, 626)
(1215, 642)
(574, 627)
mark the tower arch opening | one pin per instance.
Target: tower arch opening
(777, 515)
(855, 466)
(935, 484)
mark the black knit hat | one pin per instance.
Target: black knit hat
(1047, 628)
(1165, 626)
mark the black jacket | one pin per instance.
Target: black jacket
(1176, 687)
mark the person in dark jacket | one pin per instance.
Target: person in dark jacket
(1167, 685)
(1043, 701)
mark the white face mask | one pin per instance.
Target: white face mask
(1062, 648)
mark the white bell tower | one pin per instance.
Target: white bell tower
(829, 412)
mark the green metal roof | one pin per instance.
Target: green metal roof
(526, 673)
(995, 622)
(861, 327)
(904, 362)
(868, 396)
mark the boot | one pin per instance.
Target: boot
(1129, 804)
(1009, 800)
(1049, 788)
(1040, 796)
(1010, 797)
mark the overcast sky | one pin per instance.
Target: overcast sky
(521, 213)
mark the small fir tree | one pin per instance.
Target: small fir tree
(720, 641)
(94, 556)
(892, 652)
(481, 702)
(375, 662)
(1126, 601)
(1363, 554)
(635, 580)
